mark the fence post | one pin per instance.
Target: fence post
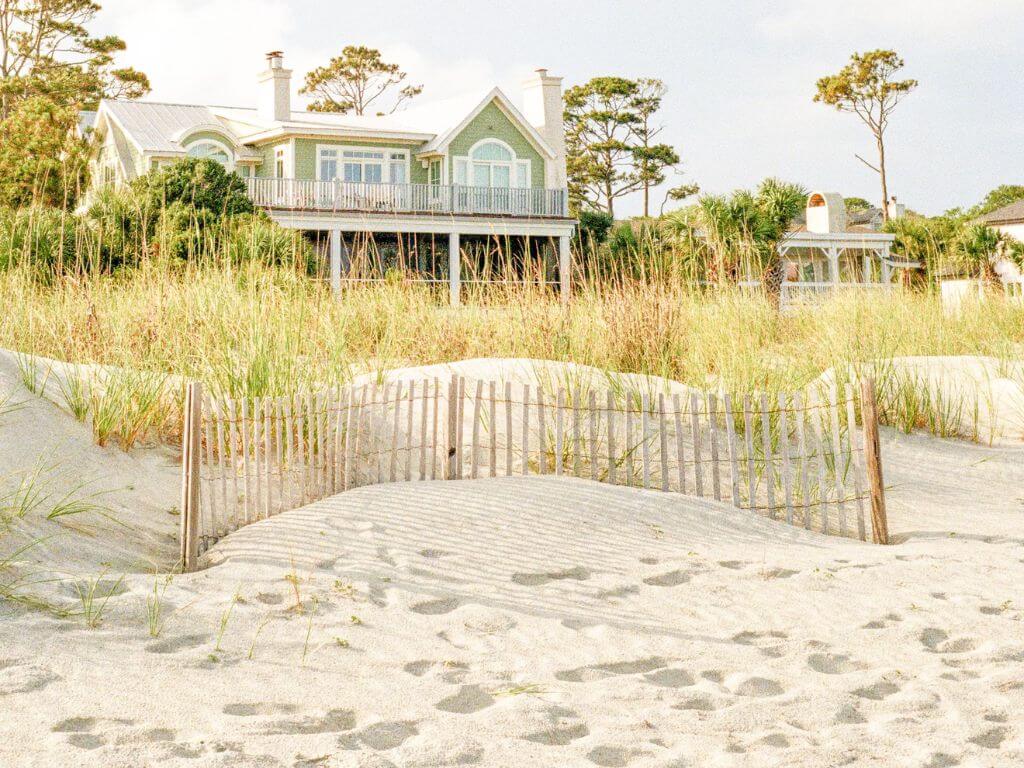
(190, 447)
(873, 459)
(453, 425)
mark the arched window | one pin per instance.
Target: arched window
(492, 163)
(211, 150)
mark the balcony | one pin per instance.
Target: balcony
(350, 197)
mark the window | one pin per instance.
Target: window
(362, 165)
(211, 150)
(279, 163)
(492, 163)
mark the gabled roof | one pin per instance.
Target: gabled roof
(443, 139)
(1008, 214)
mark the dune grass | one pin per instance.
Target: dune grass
(255, 330)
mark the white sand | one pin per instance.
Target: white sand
(530, 622)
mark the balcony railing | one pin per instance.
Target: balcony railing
(327, 196)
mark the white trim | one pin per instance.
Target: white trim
(219, 144)
(362, 134)
(182, 135)
(418, 223)
(513, 165)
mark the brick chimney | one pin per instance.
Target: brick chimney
(543, 108)
(275, 99)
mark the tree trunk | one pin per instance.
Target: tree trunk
(881, 172)
(611, 201)
(771, 281)
(647, 200)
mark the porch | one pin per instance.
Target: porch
(377, 198)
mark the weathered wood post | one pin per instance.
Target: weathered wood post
(190, 447)
(873, 459)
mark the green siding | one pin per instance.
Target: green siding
(265, 170)
(492, 122)
(210, 136)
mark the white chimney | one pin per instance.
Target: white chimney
(275, 101)
(543, 108)
(826, 213)
(896, 210)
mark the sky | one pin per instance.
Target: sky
(740, 75)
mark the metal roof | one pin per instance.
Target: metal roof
(156, 127)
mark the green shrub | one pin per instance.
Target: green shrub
(202, 184)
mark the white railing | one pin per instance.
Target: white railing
(1014, 288)
(301, 194)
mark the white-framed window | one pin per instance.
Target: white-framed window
(362, 165)
(281, 162)
(212, 150)
(491, 163)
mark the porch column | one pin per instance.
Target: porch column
(886, 269)
(336, 262)
(833, 266)
(564, 267)
(454, 269)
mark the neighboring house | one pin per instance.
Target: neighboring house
(827, 248)
(452, 168)
(1010, 221)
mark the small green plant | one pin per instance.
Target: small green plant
(225, 618)
(256, 636)
(154, 605)
(76, 391)
(94, 598)
(314, 601)
(29, 370)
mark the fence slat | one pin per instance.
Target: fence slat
(592, 433)
(628, 445)
(409, 429)
(268, 467)
(526, 429)
(247, 501)
(493, 424)
(730, 437)
(217, 413)
(577, 436)
(698, 468)
(508, 428)
(451, 439)
(716, 475)
(787, 476)
(612, 454)
(801, 439)
(435, 429)
(542, 436)
(851, 429)
(766, 449)
(677, 407)
(474, 446)
(559, 430)
(211, 480)
(748, 440)
(645, 452)
(663, 441)
(424, 417)
(837, 456)
(460, 427)
(395, 427)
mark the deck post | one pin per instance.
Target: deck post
(833, 266)
(564, 267)
(336, 262)
(454, 269)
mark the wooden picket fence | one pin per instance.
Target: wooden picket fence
(792, 458)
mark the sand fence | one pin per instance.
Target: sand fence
(795, 458)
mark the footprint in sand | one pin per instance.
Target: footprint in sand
(380, 736)
(469, 699)
(451, 671)
(732, 565)
(558, 736)
(600, 671)
(937, 641)
(611, 757)
(941, 760)
(540, 579)
(259, 708)
(848, 714)
(86, 740)
(433, 554)
(173, 644)
(670, 579)
(876, 692)
(74, 725)
(990, 739)
(699, 703)
(670, 678)
(17, 676)
(334, 721)
(435, 607)
(758, 687)
(832, 664)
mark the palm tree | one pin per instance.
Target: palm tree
(743, 232)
